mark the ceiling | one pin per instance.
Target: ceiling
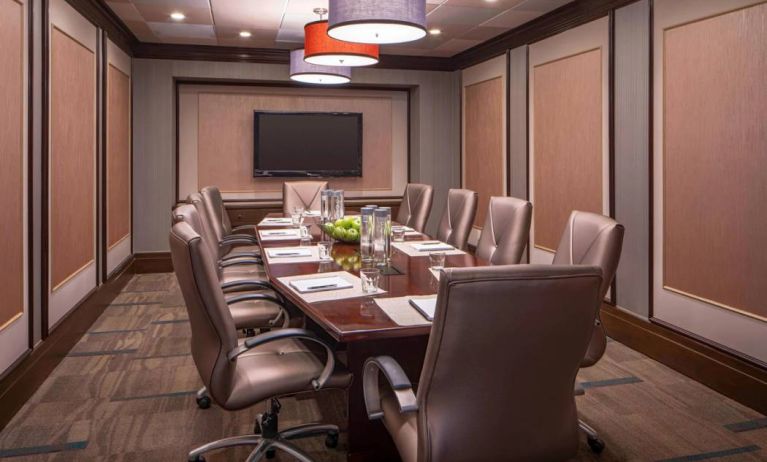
(279, 23)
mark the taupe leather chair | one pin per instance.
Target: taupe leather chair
(415, 206)
(241, 373)
(242, 237)
(592, 239)
(497, 380)
(506, 231)
(458, 218)
(304, 194)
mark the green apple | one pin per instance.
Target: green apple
(339, 223)
(339, 233)
(352, 234)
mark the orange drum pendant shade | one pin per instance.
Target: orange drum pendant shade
(321, 49)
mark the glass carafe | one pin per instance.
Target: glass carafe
(382, 235)
(339, 203)
(325, 205)
(366, 234)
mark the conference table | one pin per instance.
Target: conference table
(358, 327)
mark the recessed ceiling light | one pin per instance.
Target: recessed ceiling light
(177, 16)
(435, 31)
(245, 34)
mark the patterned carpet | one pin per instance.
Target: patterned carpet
(126, 393)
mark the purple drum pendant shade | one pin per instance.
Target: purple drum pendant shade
(301, 71)
(375, 21)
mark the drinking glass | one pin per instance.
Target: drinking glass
(437, 260)
(370, 277)
(298, 209)
(297, 219)
(398, 234)
(325, 249)
(306, 238)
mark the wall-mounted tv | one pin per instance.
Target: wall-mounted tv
(307, 144)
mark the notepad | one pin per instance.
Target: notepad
(431, 246)
(275, 221)
(294, 252)
(425, 306)
(320, 284)
(403, 228)
(311, 213)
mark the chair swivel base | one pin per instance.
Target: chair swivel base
(592, 437)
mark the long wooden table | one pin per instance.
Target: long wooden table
(361, 329)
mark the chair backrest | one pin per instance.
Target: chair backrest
(193, 213)
(213, 331)
(506, 231)
(501, 362)
(416, 205)
(214, 204)
(304, 194)
(591, 239)
(455, 226)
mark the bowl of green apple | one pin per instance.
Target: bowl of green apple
(345, 229)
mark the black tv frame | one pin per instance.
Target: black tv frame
(351, 172)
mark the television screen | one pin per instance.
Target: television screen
(322, 144)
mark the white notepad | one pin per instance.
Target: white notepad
(293, 252)
(432, 246)
(425, 306)
(275, 221)
(311, 213)
(320, 284)
(279, 234)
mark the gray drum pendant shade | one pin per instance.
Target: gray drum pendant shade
(301, 71)
(377, 21)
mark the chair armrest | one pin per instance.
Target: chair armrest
(240, 262)
(255, 255)
(249, 237)
(261, 339)
(400, 384)
(277, 300)
(243, 228)
(236, 242)
(250, 284)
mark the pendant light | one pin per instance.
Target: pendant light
(301, 71)
(375, 21)
(320, 48)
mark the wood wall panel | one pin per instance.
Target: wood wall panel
(225, 138)
(72, 156)
(715, 160)
(12, 49)
(567, 158)
(118, 156)
(483, 145)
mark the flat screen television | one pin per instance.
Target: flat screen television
(307, 144)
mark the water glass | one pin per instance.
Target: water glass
(398, 233)
(298, 209)
(370, 277)
(297, 219)
(325, 249)
(437, 260)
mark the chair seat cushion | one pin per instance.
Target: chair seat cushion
(244, 249)
(253, 314)
(279, 368)
(243, 273)
(403, 428)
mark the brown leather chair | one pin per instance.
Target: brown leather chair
(415, 206)
(458, 218)
(304, 194)
(240, 373)
(506, 231)
(242, 237)
(495, 385)
(592, 239)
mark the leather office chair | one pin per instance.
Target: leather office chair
(304, 194)
(506, 231)
(495, 385)
(416, 205)
(458, 218)
(242, 237)
(241, 373)
(592, 239)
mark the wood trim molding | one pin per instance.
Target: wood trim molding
(727, 373)
(97, 12)
(151, 262)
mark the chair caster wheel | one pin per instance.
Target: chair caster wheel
(196, 459)
(331, 440)
(596, 445)
(203, 402)
(271, 454)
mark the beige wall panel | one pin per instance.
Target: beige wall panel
(484, 159)
(715, 163)
(118, 156)
(72, 144)
(12, 49)
(568, 142)
(225, 138)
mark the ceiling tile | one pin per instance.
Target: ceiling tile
(161, 13)
(483, 33)
(496, 4)
(457, 45)
(541, 6)
(177, 30)
(141, 31)
(125, 10)
(175, 4)
(260, 14)
(447, 14)
(511, 19)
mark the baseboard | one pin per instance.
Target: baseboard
(18, 385)
(152, 262)
(726, 373)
